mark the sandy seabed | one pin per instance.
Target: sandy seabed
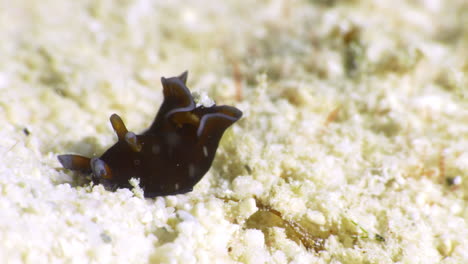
(353, 147)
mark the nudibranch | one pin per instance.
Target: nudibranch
(172, 155)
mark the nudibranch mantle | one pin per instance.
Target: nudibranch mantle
(172, 155)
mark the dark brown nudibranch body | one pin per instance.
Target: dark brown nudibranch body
(172, 155)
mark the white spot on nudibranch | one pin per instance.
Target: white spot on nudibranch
(176, 186)
(156, 149)
(172, 139)
(205, 151)
(191, 171)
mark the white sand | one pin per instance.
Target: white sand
(353, 147)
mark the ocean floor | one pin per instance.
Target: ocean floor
(353, 147)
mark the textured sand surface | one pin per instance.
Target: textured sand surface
(353, 147)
